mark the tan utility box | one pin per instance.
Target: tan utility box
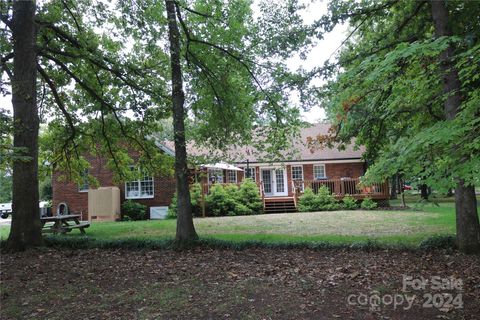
(104, 204)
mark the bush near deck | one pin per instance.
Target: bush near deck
(326, 201)
(224, 200)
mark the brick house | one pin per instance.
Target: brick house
(158, 190)
(339, 170)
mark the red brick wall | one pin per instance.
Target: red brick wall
(240, 176)
(336, 170)
(333, 171)
(308, 171)
(340, 170)
(257, 175)
(66, 191)
(163, 191)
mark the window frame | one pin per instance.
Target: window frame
(139, 182)
(229, 172)
(217, 176)
(254, 176)
(324, 171)
(302, 178)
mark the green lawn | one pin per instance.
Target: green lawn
(406, 227)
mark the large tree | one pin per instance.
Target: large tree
(80, 76)
(25, 227)
(407, 89)
(465, 198)
(185, 228)
(234, 80)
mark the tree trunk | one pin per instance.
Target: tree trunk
(393, 191)
(468, 226)
(26, 229)
(468, 231)
(424, 191)
(185, 228)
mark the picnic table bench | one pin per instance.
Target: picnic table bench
(63, 224)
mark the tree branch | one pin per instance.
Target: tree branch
(4, 19)
(193, 11)
(115, 71)
(60, 104)
(7, 57)
(7, 70)
(96, 97)
(72, 15)
(109, 145)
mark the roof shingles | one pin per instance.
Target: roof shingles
(300, 152)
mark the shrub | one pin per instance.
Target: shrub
(323, 201)
(132, 210)
(172, 208)
(439, 242)
(242, 210)
(368, 204)
(249, 196)
(221, 201)
(326, 201)
(349, 202)
(195, 200)
(306, 202)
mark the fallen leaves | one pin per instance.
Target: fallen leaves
(205, 283)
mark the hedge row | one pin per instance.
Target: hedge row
(447, 242)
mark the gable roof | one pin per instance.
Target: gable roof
(299, 152)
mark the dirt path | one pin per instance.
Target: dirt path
(226, 284)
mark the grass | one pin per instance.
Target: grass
(405, 228)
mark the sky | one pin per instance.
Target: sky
(326, 48)
(321, 52)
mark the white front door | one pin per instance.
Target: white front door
(274, 181)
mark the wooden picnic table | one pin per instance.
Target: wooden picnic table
(63, 224)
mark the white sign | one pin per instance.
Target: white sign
(158, 212)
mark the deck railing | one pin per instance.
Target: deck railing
(295, 191)
(338, 187)
(342, 187)
(262, 192)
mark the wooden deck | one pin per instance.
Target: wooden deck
(342, 187)
(339, 188)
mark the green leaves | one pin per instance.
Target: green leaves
(390, 99)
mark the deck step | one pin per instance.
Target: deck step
(279, 205)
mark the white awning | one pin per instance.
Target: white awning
(221, 166)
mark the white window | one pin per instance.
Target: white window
(215, 176)
(297, 174)
(83, 185)
(142, 188)
(231, 176)
(250, 173)
(319, 171)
